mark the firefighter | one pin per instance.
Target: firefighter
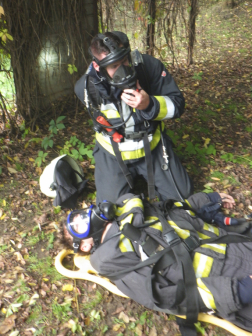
(179, 267)
(132, 93)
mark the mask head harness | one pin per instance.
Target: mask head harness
(87, 223)
(125, 76)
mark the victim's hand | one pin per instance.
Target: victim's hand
(227, 201)
(138, 99)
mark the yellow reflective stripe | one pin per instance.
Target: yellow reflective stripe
(157, 226)
(190, 212)
(178, 204)
(220, 248)
(129, 155)
(133, 203)
(206, 295)
(127, 219)
(125, 244)
(209, 227)
(163, 108)
(110, 114)
(202, 265)
(181, 232)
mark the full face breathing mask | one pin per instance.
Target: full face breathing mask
(125, 76)
(89, 223)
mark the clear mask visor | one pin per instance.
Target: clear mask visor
(80, 222)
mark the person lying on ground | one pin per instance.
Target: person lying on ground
(167, 258)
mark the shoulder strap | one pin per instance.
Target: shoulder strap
(138, 62)
(93, 93)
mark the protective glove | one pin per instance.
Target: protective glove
(242, 227)
(244, 287)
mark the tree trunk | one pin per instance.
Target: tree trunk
(191, 29)
(48, 36)
(151, 27)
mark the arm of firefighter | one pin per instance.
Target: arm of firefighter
(220, 293)
(166, 100)
(198, 200)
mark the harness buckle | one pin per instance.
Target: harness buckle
(191, 243)
(135, 135)
(172, 238)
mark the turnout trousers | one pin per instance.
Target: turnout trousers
(110, 182)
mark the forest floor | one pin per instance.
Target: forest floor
(212, 139)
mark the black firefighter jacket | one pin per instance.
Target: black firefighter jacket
(166, 101)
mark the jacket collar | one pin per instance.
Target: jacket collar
(105, 89)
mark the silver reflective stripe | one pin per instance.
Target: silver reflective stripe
(128, 145)
(126, 110)
(110, 111)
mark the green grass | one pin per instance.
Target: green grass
(93, 303)
(44, 267)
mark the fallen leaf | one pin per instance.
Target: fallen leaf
(153, 331)
(210, 184)
(3, 216)
(118, 310)
(68, 287)
(116, 327)
(138, 330)
(215, 178)
(31, 329)
(12, 170)
(124, 317)
(7, 324)
(42, 293)
(19, 257)
(207, 141)
(14, 333)
(33, 299)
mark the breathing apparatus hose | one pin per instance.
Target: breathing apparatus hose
(92, 117)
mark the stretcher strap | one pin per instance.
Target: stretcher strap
(122, 165)
(150, 173)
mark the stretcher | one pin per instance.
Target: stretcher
(87, 272)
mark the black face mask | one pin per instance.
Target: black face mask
(125, 77)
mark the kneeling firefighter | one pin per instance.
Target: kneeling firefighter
(165, 257)
(128, 95)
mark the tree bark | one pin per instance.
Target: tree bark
(192, 29)
(151, 28)
(47, 36)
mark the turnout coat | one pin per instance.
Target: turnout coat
(218, 267)
(143, 129)
(166, 102)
